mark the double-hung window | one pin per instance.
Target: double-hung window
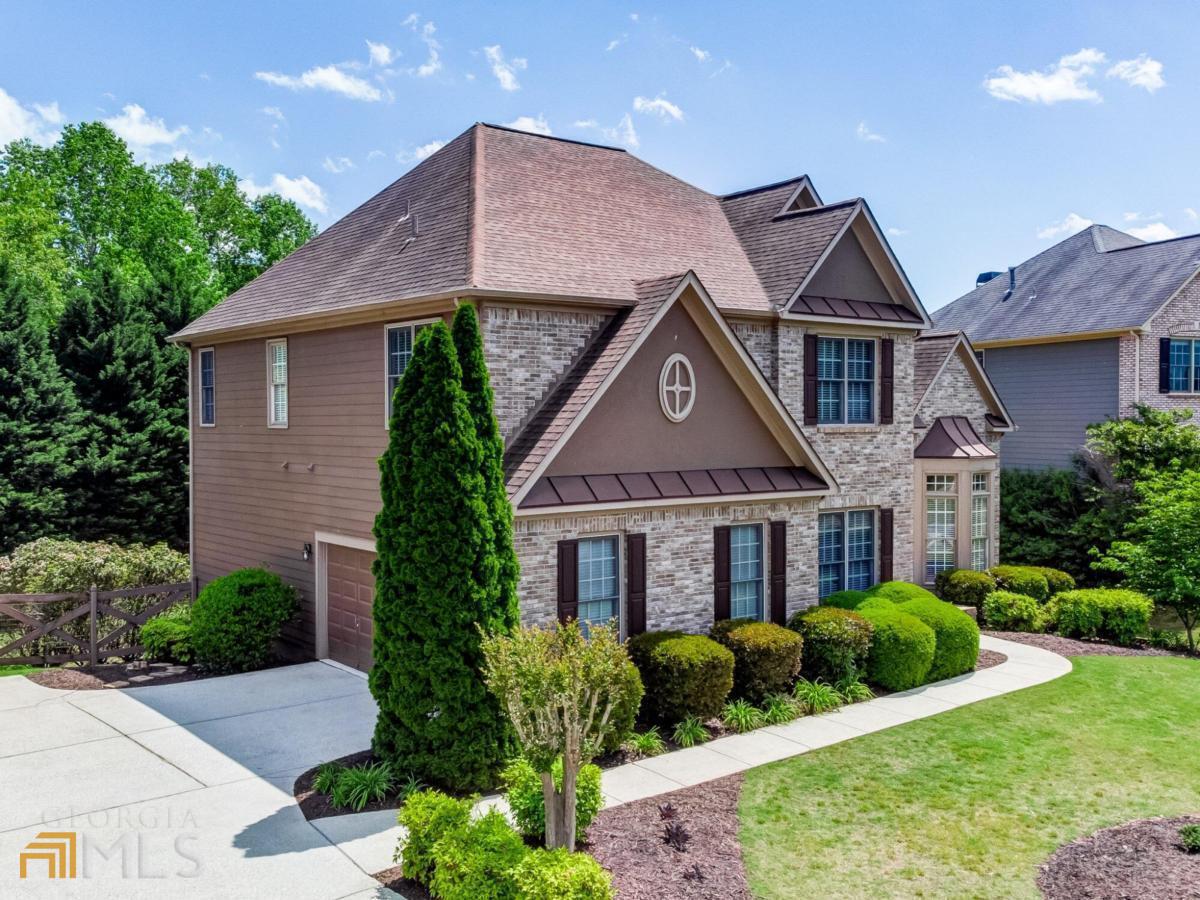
(746, 572)
(845, 551)
(598, 581)
(845, 381)
(399, 353)
(208, 386)
(277, 383)
(979, 520)
(941, 508)
(1185, 366)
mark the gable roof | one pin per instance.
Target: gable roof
(535, 447)
(934, 350)
(1099, 280)
(507, 213)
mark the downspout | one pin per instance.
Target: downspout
(1137, 367)
(191, 480)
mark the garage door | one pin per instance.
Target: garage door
(351, 591)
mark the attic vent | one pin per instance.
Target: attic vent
(410, 218)
(1012, 283)
(985, 277)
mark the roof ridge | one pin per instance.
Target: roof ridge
(764, 187)
(797, 213)
(1145, 244)
(552, 137)
(475, 199)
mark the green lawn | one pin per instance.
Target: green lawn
(18, 670)
(968, 803)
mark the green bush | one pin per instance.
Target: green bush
(684, 674)
(523, 791)
(52, 566)
(836, 642)
(965, 587)
(1006, 611)
(766, 657)
(1026, 580)
(237, 618)
(355, 787)
(426, 817)
(623, 717)
(1189, 836)
(902, 648)
(168, 636)
(561, 875)
(476, 861)
(956, 648)
(875, 603)
(1057, 580)
(1111, 613)
(900, 591)
(844, 599)
(1074, 614)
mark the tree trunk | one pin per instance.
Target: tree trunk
(550, 800)
(560, 810)
(570, 776)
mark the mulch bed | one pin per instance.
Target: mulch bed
(315, 805)
(1072, 647)
(627, 840)
(989, 658)
(115, 675)
(1142, 859)
(405, 887)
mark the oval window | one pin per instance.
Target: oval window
(677, 387)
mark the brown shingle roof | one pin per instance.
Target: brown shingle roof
(929, 354)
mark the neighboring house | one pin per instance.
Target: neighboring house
(708, 402)
(1083, 332)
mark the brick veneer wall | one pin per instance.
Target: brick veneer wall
(1180, 317)
(759, 339)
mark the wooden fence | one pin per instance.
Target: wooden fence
(89, 626)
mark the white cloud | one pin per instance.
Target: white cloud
(701, 55)
(324, 78)
(1142, 72)
(426, 31)
(274, 112)
(1154, 231)
(634, 17)
(615, 43)
(530, 124)
(427, 150)
(301, 190)
(1068, 226)
(1191, 213)
(141, 131)
(1141, 217)
(866, 134)
(17, 122)
(660, 106)
(1065, 80)
(897, 232)
(374, 155)
(622, 133)
(337, 165)
(587, 123)
(724, 67)
(505, 70)
(381, 54)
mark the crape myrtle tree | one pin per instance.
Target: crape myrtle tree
(436, 578)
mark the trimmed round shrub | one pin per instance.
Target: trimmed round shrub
(168, 636)
(844, 599)
(1119, 615)
(1006, 611)
(766, 657)
(1074, 614)
(902, 648)
(523, 791)
(561, 875)
(684, 675)
(956, 648)
(623, 717)
(875, 603)
(836, 642)
(476, 861)
(1057, 581)
(237, 618)
(965, 587)
(900, 592)
(427, 816)
(1021, 580)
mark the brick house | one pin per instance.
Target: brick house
(1083, 332)
(712, 405)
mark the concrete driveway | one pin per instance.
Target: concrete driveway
(180, 790)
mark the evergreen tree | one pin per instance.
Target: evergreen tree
(480, 400)
(435, 581)
(39, 422)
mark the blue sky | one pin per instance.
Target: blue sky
(979, 133)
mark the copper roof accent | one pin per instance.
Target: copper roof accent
(853, 309)
(953, 437)
(701, 484)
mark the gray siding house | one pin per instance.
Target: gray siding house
(1083, 332)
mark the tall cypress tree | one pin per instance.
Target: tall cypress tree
(40, 424)
(435, 581)
(480, 400)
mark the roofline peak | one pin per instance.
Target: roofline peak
(551, 137)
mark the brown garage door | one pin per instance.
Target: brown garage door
(351, 591)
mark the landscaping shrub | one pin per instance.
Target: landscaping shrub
(1057, 580)
(52, 566)
(844, 599)
(690, 732)
(237, 618)
(355, 787)
(956, 648)
(875, 603)
(965, 587)
(168, 636)
(624, 713)
(1006, 611)
(1118, 615)
(1026, 580)
(1074, 614)
(766, 657)
(644, 744)
(815, 696)
(561, 875)
(523, 791)
(427, 816)
(836, 642)
(476, 861)
(684, 674)
(900, 592)
(742, 716)
(1189, 836)
(902, 648)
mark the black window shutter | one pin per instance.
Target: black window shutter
(779, 573)
(885, 544)
(568, 580)
(810, 379)
(635, 590)
(720, 573)
(887, 379)
(1164, 365)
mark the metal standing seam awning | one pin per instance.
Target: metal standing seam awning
(953, 437)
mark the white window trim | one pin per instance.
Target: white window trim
(764, 531)
(875, 546)
(845, 423)
(986, 494)
(686, 365)
(271, 422)
(387, 328)
(200, 386)
(619, 537)
(1193, 367)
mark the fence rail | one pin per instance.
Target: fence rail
(59, 631)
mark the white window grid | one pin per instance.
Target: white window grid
(746, 572)
(845, 551)
(277, 379)
(1185, 366)
(598, 581)
(979, 532)
(208, 386)
(845, 381)
(398, 347)
(940, 517)
(940, 484)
